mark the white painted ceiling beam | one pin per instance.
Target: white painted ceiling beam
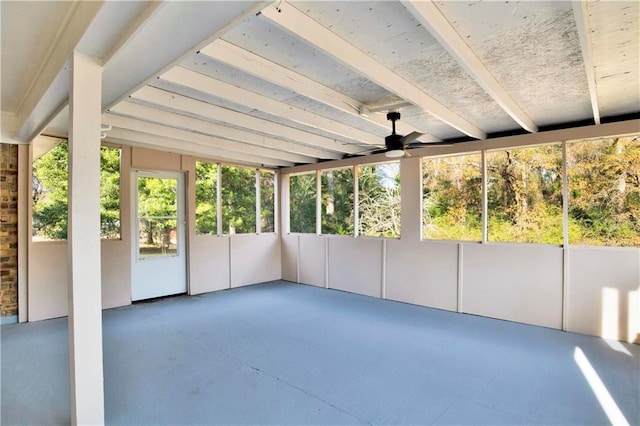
(255, 65)
(428, 14)
(29, 121)
(198, 138)
(172, 119)
(158, 116)
(187, 147)
(179, 28)
(249, 99)
(303, 26)
(582, 23)
(222, 115)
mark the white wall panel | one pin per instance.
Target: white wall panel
(515, 282)
(355, 265)
(48, 280)
(423, 273)
(155, 160)
(312, 259)
(289, 245)
(208, 263)
(254, 259)
(602, 296)
(116, 275)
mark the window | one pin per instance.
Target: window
(49, 194)
(50, 179)
(452, 198)
(110, 192)
(337, 201)
(604, 191)
(379, 200)
(267, 202)
(524, 192)
(157, 216)
(206, 198)
(302, 203)
(238, 200)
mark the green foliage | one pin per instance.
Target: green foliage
(50, 191)
(206, 198)
(604, 192)
(110, 192)
(337, 201)
(302, 203)
(49, 195)
(267, 202)
(157, 213)
(379, 200)
(525, 195)
(452, 198)
(238, 200)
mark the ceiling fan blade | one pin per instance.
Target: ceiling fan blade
(411, 137)
(366, 145)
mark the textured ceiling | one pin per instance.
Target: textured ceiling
(456, 70)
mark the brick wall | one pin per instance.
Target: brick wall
(8, 230)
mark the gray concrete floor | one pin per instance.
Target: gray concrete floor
(280, 353)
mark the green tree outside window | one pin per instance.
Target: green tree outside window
(452, 198)
(337, 201)
(302, 203)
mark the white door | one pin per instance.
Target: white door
(159, 228)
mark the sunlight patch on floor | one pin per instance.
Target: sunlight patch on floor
(605, 399)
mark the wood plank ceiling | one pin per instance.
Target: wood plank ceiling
(300, 82)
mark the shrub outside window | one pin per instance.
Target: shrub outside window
(524, 191)
(604, 191)
(379, 200)
(452, 198)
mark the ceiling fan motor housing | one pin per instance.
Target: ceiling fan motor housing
(394, 142)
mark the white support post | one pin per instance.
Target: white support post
(24, 228)
(258, 203)
(85, 299)
(276, 200)
(411, 199)
(219, 199)
(356, 201)
(318, 202)
(565, 239)
(485, 199)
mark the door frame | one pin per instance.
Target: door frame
(182, 221)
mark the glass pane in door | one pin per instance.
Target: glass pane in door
(157, 217)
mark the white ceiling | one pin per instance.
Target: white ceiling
(284, 83)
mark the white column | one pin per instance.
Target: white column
(85, 305)
(411, 199)
(24, 227)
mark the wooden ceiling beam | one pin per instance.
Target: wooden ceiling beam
(246, 98)
(257, 66)
(158, 116)
(428, 14)
(219, 142)
(293, 20)
(218, 114)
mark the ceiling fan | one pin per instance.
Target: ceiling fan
(395, 144)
